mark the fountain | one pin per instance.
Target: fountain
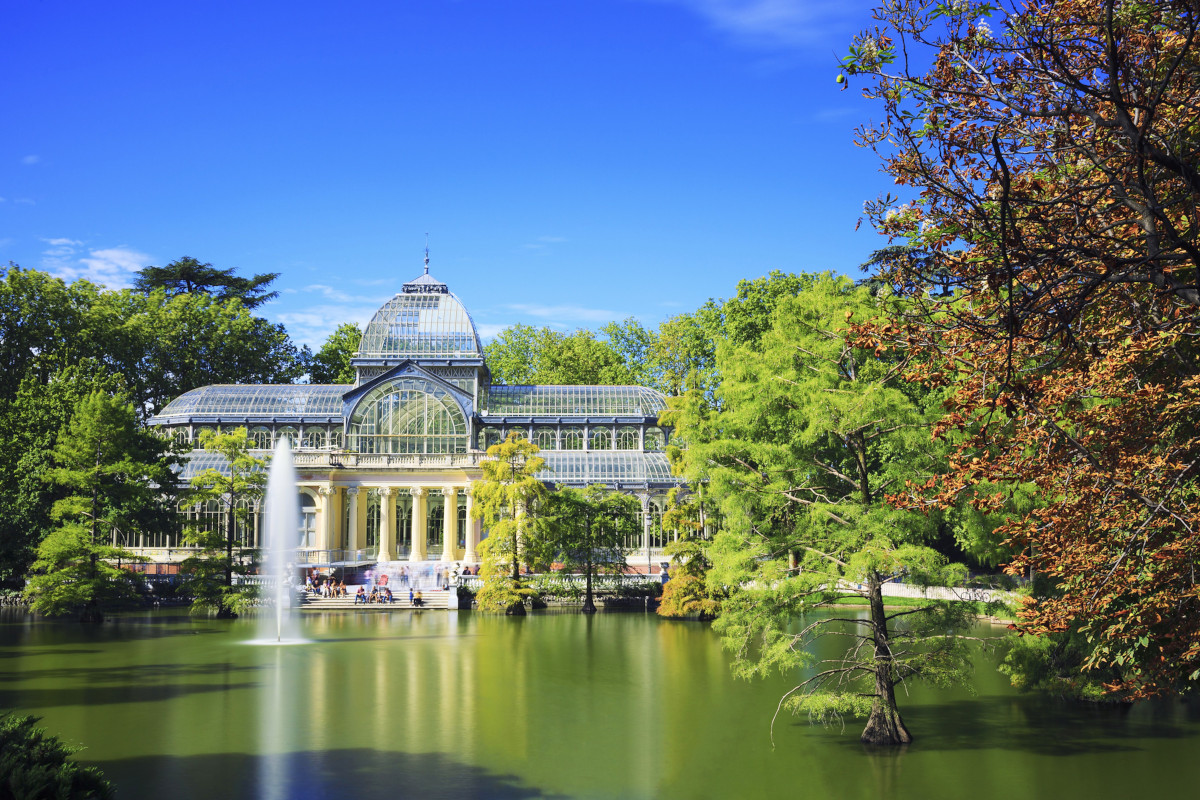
(282, 527)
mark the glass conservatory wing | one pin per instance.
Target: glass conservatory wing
(421, 325)
(199, 461)
(574, 401)
(233, 401)
(610, 468)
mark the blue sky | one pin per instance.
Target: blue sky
(573, 161)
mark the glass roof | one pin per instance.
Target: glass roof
(608, 467)
(198, 461)
(425, 320)
(574, 401)
(256, 400)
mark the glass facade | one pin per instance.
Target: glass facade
(573, 401)
(408, 415)
(423, 324)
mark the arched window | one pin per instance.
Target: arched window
(335, 439)
(545, 438)
(308, 520)
(289, 433)
(180, 435)
(627, 438)
(408, 415)
(656, 440)
(314, 438)
(489, 437)
(601, 439)
(572, 438)
(260, 438)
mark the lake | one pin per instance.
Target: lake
(468, 705)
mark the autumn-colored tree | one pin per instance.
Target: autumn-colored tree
(1048, 154)
(687, 591)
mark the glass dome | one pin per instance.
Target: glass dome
(425, 320)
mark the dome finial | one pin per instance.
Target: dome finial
(427, 252)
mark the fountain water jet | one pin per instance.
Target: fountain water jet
(282, 535)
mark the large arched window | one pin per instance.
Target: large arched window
(408, 415)
(260, 439)
(627, 438)
(572, 439)
(656, 440)
(601, 439)
(545, 438)
(314, 438)
(289, 433)
(489, 437)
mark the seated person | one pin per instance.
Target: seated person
(361, 596)
(374, 595)
(418, 601)
(387, 595)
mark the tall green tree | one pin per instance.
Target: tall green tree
(808, 435)
(188, 276)
(687, 592)
(507, 500)
(208, 575)
(588, 530)
(522, 354)
(331, 364)
(118, 478)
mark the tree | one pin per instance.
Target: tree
(188, 276)
(118, 478)
(37, 766)
(504, 500)
(1052, 170)
(523, 355)
(588, 530)
(209, 573)
(808, 434)
(687, 592)
(331, 364)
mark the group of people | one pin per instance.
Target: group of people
(325, 588)
(382, 594)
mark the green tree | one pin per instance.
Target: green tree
(118, 477)
(208, 575)
(505, 500)
(37, 766)
(588, 530)
(687, 591)
(523, 355)
(331, 364)
(809, 434)
(188, 276)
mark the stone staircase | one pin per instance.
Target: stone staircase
(434, 599)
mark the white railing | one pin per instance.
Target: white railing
(384, 460)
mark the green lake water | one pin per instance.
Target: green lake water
(467, 705)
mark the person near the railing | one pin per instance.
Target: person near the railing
(361, 596)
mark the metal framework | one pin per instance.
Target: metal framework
(254, 402)
(613, 468)
(573, 401)
(428, 323)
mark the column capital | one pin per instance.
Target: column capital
(386, 491)
(418, 491)
(469, 490)
(450, 491)
(327, 490)
(352, 491)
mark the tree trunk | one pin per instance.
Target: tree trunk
(884, 726)
(589, 605)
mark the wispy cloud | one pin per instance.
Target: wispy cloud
(773, 23)
(567, 315)
(488, 331)
(337, 295)
(113, 267)
(30, 160)
(313, 325)
(542, 242)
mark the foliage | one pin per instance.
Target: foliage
(208, 575)
(331, 364)
(806, 434)
(588, 529)
(504, 500)
(36, 766)
(189, 276)
(522, 354)
(116, 478)
(1052, 170)
(687, 591)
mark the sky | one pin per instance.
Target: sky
(572, 161)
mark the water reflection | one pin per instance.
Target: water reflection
(469, 705)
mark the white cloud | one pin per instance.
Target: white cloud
(343, 297)
(773, 23)
(313, 325)
(25, 201)
(488, 331)
(110, 266)
(568, 315)
(31, 160)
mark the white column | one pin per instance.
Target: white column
(328, 514)
(353, 540)
(645, 498)
(387, 513)
(419, 524)
(450, 524)
(473, 524)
